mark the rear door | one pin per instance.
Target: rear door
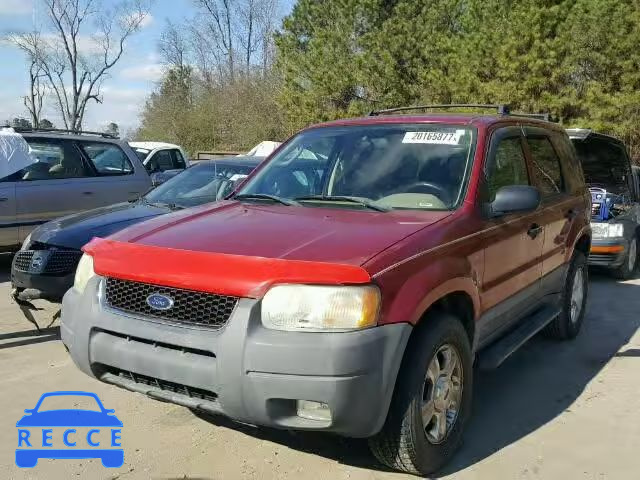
(56, 185)
(8, 228)
(559, 206)
(511, 280)
(116, 178)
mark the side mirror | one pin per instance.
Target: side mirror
(157, 179)
(514, 199)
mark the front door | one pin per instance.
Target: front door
(511, 280)
(54, 186)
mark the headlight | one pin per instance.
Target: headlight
(27, 241)
(607, 230)
(84, 272)
(311, 307)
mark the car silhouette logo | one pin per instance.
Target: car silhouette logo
(158, 301)
(86, 433)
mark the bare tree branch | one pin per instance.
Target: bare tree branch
(74, 63)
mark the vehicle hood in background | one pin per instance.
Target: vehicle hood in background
(74, 231)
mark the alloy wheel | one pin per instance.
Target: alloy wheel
(442, 394)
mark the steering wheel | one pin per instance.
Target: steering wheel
(427, 187)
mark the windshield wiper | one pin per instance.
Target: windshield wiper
(265, 196)
(363, 202)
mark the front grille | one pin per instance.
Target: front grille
(62, 262)
(164, 385)
(22, 260)
(189, 307)
(55, 261)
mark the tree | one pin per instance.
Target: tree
(20, 123)
(44, 123)
(112, 129)
(74, 62)
(31, 44)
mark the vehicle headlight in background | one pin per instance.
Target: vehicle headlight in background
(27, 241)
(315, 307)
(84, 272)
(607, 230)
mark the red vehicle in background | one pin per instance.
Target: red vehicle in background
(351, 282)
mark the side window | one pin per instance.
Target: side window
(163, 161)
(571, 166)
(54, 160)
(107, 158)
(546, 166)
(509, 167)
(178, 160)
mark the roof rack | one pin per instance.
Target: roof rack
(501, 109)
(62, 130)
(540, 116)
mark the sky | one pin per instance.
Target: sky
(129, 82)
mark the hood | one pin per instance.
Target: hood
(317, 234)
(76, 230)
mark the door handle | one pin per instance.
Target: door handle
(3, 199)
(534, 230)
(87, 193)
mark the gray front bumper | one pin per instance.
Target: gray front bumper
(608, 260)
(243, 371)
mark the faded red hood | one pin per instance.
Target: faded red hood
(241, 249)
(274, 231)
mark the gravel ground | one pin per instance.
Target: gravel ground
(552, 411)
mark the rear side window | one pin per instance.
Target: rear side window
(509, 167)
(108, 159)
(546, 166)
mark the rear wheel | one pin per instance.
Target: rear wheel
(431, 401)
(630, 263)
(573, 302)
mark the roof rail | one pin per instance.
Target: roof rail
(62, 130)
(540, 116)
(501, 109)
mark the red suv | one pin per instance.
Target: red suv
(350, 283)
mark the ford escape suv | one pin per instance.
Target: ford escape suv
(350, 283)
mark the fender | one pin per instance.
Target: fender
(413, 292)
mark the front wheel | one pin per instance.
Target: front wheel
(630, 262)
(431, 401)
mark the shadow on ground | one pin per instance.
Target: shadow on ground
(532, 388)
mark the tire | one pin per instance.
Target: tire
(630, 263)
(567, 325)
(403, 443)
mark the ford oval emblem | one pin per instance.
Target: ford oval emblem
(158, 301)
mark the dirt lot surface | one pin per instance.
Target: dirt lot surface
(552, 411)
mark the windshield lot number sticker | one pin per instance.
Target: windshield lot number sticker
(434, 138)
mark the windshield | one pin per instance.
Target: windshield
(141, 153)
(419, 167)
(199, 184)
(69, 402)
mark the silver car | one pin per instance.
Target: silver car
(72, 173)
